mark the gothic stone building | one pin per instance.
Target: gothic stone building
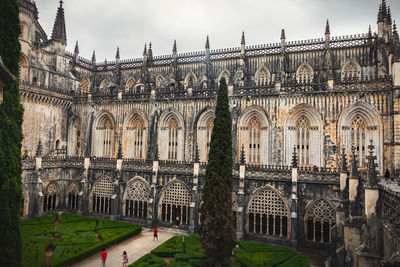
(128, 139)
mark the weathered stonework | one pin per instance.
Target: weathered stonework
(129, 139)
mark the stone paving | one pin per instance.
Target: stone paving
(135, 247)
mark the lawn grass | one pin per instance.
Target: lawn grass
(73, 240)
(248, 254)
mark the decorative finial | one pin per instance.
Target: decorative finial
(117, 55)
(196, 154)
(39, 149)
(174, 49)
(327, 28)
(294, 158)
(243, 41)
(119, 154)
(344, 161)
(145, 50)
(283, 35)
(242, 156)
(61, 3)
(389, 16)
(59, 32)
(372, 177)
(369, 31)
(94, 56)
(354, 162)
(76, 50)
(207, 43)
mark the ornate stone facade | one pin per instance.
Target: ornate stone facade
(129, 139)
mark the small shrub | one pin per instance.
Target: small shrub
(149, 260)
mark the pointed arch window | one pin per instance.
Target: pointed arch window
(175, 202)
(137, 199)
(129, 84)
(159, 81)
(254, 140)
(304, 74)
(106, 127)
(173, 139)
(209, 128)
(262, 78)
(72, 194)
(101, 196)
(358, 132)
(84, 85)
(350, 72)
(50, 197)
(319, 219)
(303, 140)
(138, 132)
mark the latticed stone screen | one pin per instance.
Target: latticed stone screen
(72, 196)
(268, 214)
(50, 197)
(102, 193)
(175, 203)
(319, 218)
(137, 199)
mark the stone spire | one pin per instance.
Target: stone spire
(327, 28)
(294, 158)
(395, 33)
(354, 163)
(150, 54)
(243, 41)
(39, 149)
(76, 50)
(389, 16)
(145, 50)
(343, 165)
(197, 154)
(174, 49)
(283, 35)
(94, 57)
(372, 176)
(119, 154)
(117, 57)
(369, 32)
(242, 156)
(380, 14)
(59, 32)
(207, 43)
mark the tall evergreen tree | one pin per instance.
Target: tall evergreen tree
(217, 231)
(11, 114)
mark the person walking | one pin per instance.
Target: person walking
(103, 257)
(155, 233)
(124, 259)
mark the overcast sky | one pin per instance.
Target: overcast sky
(105, 24)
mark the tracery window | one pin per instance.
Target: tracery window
(262, 78)
(101, 197)
(129, 84)
(84, 85)
(303, 140)
(350, 72)
(268, 214)
(209, 128)
(254, 140)
(358, 132)
(319, 218)
(137, 128)
(190, 80)
(137, 199)
(304, 74)
(224, 74)
(72, 196)
(173, 139)
(106, 128)
(175, 202)
(159, 81)
(50, 197)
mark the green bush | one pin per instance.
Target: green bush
(296, 261)
(258, 247)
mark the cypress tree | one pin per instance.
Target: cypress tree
(217, 231)
(11, 114)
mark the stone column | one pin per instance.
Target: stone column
(293, 200)
(191, 216)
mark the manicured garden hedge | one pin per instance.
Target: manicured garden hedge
(73, 240)
(248, 254)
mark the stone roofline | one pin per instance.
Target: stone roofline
(316, 44)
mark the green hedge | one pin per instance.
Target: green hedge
(149, 260)
(174, 245)
(296, 261)
(75, 238)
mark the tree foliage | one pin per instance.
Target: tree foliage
(217, 230)
(11, 114)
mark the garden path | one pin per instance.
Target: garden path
(135, 247)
